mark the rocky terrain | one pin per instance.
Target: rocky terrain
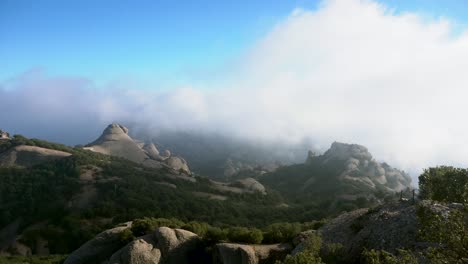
(389, 227)
(54, 197)
(345, 172)
(171, 245)
(115, 141)
(29, 156)
(359, 166)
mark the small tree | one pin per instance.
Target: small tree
(444, 184)
(309, 254)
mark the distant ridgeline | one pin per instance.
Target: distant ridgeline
(54, 197)
(345, 172)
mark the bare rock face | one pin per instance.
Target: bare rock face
(250, 184)
(360, 167)
(115, 141)
(176, 245)
(172, 246)
(139, 251)
(4, 135)
(29, 155)
(388, 227)
(151, 150)
(99, 248)
(177, 164)
(165, 245)
(230, 253)
(167, 153)
(342, 151)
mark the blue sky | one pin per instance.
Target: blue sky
(252, 69)
(167, 42)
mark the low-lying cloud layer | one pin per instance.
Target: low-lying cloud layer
(351, 71)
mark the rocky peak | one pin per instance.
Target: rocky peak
(343, 151)
(4, 135)
(115, 141)
(360, 167)
(115, 128)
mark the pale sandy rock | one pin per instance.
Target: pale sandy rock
(176, 245)
(99, 248)
(229, 253)
(139, 251)
(152, 151)
(30, 155)
(166, 154)
(360, 167)
(250, 184)
(115, 141)
(4, 135)
(177, 164)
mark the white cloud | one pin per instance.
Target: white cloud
(351, 71)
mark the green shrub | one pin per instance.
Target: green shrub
(449, 233)
(309, 254)
(332, 253)
(146, 225)
(215, 234)
(245, 235)
(383, 257)
(198, 228)
(281, 232)
(126, 237)
(445, 184)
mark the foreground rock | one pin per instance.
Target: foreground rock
(230, 253)
(139, 251)
(164, 245)
(99, 248)
(171, 246)
(389, 227)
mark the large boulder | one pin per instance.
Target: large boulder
(388, 227)
(176, 245)
(99, 248)
(177, 164)
(230, 253)
(29, 155)
(139, 251)
(164, 245)
(152, 151)
(250, 184)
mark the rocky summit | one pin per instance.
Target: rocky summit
(4, 135)
(361, 167)
(115, 141)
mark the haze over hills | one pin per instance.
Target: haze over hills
(100, 182)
